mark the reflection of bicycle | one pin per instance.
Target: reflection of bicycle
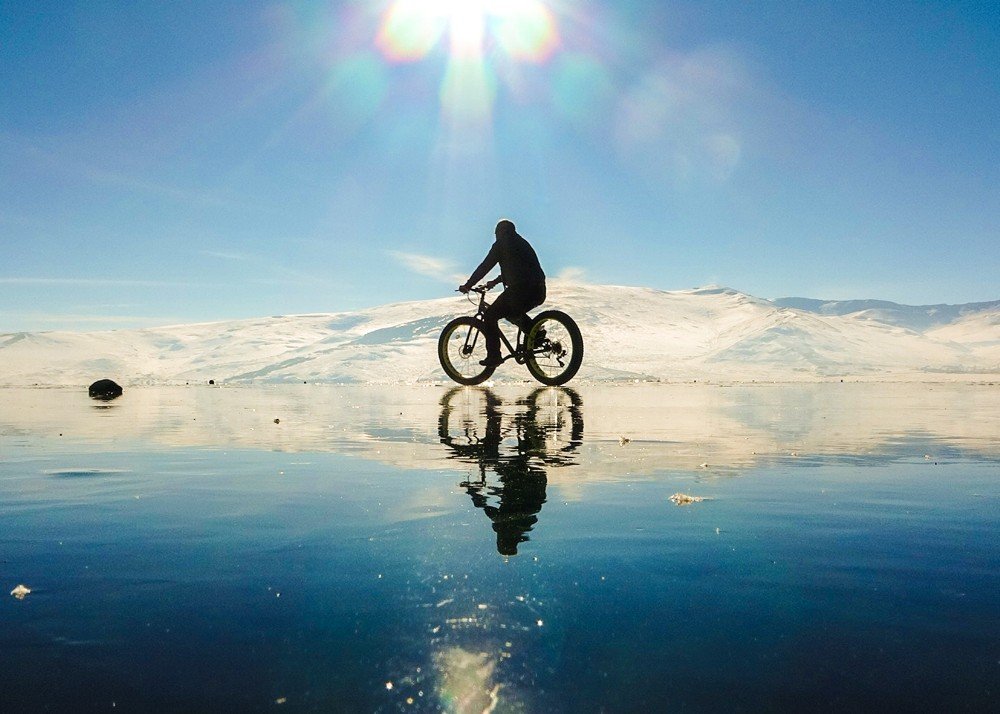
(542, 431)
(552, 350)
(547, 425)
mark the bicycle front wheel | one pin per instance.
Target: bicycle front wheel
(553, 348)
(461, 347)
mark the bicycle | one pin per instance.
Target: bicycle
(552, 349)
(547, 426)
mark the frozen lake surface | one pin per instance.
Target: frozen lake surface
(299, 548)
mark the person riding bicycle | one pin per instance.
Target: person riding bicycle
(524, 286)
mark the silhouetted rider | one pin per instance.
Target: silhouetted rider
(524, 285)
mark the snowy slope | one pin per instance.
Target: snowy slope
(630, 333)
(913, 317)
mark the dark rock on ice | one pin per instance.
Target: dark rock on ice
(105, 389)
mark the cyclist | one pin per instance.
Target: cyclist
(524, 286)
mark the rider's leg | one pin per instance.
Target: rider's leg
(521, 302)
(523, 321)
(512, 305)
(499, 309)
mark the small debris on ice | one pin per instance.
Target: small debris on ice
(622, 440)
(682, 499)
(20, 592)
(704, 465)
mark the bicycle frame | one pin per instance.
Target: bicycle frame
(516, 350)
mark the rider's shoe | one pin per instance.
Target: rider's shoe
(492, 361)
(540, 337)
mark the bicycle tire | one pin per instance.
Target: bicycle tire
(549, 362)
(550, 406)
(464, 421)
(460, 351)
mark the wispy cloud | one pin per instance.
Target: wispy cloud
(571, 276)
(290, 275)
(92, 282)
(444, 270)
(428, 266)
(116, 319)
(223, 255)
(60, 163)
(73, 321)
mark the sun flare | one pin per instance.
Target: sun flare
(524, 29)
(520, 31)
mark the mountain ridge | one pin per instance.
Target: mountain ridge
(920, 317)
(709, 333)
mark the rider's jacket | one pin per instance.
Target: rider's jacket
(519, 266)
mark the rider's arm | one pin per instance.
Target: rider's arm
(491, 259)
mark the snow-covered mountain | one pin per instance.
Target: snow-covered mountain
(630, 333)
(913, 317)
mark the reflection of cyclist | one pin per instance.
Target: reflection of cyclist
(521, 474)
(523, 280)
(522, 493)
(521, 488)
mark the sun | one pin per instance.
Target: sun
(466, 27)
(524, 29)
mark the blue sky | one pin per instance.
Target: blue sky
(190, 161)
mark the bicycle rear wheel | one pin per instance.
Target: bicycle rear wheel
(461, 347)
(553, 348)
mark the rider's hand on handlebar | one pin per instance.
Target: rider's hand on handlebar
(464, 288)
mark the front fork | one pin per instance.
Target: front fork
(470, 342)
